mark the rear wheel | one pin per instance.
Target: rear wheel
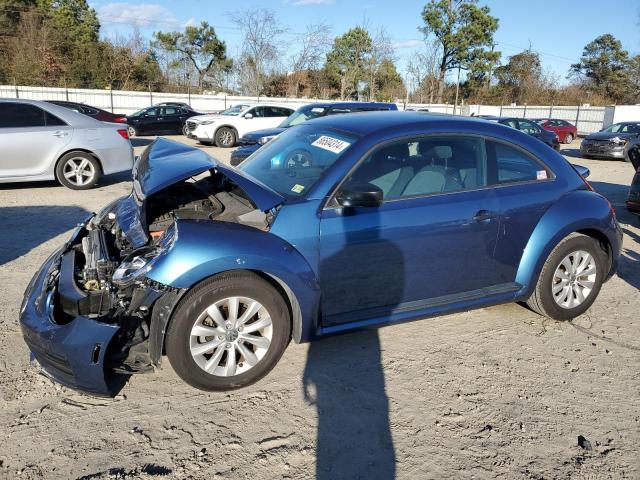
(225, 137)
(571, 278)
(228, 332)
(78, 171)
(568, 138)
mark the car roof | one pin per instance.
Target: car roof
(366, 123)
(351, 105)
(75, 119)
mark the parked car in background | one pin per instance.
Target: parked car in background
(93, 112)
(159, 119)
(225, 128)
(529, 127)
(186, 106)
(342, 222)
(611, 142)
(566, 131)
(251, 141)
(42, 141)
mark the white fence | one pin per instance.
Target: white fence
(588, 119)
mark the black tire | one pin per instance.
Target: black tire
(542, 301)
(132, 131)
(588, 157)
(568, 139)
(65, 165)
(218, 287)
(185, 131)
(225, 137)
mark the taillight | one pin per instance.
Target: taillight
(124, 133)
(120, 120)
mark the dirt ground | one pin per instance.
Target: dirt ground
(494, 393)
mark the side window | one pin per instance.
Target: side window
(89, 111)
(17, 115)
(511, 123)
(528, 127)
(336, 111)
(258, 112)
(169, 111)
(278, 112)
(513, 165)
(424, 166)
(52, 121)
(151, 112)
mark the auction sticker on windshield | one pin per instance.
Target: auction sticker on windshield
(331, 144)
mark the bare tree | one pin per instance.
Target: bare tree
(422, 70)
(314, 44)
(261, 53)
(381, 50)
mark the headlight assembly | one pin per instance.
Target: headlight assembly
(207, 122)
(263, 140)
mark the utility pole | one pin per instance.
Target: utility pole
(455, 105)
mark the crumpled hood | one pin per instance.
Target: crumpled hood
(165, 163)
(609, 135)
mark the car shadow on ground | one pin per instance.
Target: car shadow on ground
(343, 375)
(141, 141)
(104, 181)
(24, 228)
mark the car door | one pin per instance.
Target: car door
(526, 188)
(257, 121)
(170, 119)
(31, 139)
(149, 121)
(430, 242)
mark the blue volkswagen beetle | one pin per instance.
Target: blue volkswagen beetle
(339, 223)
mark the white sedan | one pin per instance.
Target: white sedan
(42, 141)
(225, 128)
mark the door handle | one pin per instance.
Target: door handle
(482, 215)
(60, 133)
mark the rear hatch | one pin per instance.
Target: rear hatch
(165, 163)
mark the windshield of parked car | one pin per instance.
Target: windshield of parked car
(623, 128)
(293, 162)
(234, 111)
(302, 115)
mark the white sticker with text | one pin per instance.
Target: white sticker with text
(541, 174)
(332, 144)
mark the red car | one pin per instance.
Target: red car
(566, 131)
(92, 112)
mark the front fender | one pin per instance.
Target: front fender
(206, 248)
(579, 210)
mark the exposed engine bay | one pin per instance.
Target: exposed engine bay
(108, 270)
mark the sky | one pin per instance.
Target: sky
(557, 29)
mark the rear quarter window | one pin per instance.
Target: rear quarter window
(515, 166)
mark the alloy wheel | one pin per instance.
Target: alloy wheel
(78, 171)
(231, 336)
(226, 138)
(574, 279)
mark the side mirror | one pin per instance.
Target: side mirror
(248, 116)
(360, 195)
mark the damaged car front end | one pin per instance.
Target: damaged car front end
(90, 315)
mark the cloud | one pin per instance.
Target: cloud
(414, 42)
(304, 3)
(142, 15)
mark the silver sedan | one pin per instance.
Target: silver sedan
(42, 141)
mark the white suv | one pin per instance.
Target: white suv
(225, 128)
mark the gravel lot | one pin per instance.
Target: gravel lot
(494, 393)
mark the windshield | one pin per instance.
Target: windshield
(235, 110)
(138, 113)
(293, 162)
(623, 128)
(302, 115)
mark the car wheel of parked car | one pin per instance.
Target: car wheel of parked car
(132, 131)
(185, 130)
(78, 171)
(570, 279)
(228, 332)
(568, 138)
(225, 137)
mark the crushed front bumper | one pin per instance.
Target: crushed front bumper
(73, 349)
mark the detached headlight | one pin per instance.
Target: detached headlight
(139, 263)
(263, 140)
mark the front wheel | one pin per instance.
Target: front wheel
(571, 278)
(225, 137)
(568, 139)
(185, 130)
(228, 332)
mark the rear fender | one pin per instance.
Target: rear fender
(207, 248)
(579, 210)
